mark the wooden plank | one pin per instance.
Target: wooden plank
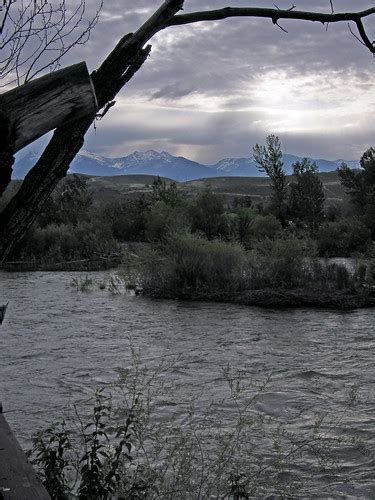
(44, 104)
(18, 480)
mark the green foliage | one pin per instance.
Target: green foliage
(279, 263)
(65, 242)
(51, 449)
(244, 222)
(69, 204)
(165, 192)
(68, 228)
(343, 237)
(241, 202)
(265, 227)
(100, 464)
(208, 215)
(359, 183)
(164, 219)
(306, 198)
(127, 219)
(269, 159)
(88, 466)
(189, 264)
(251, 227)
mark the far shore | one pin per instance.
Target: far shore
(346, 299)
(283, 298)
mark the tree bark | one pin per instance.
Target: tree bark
(6, 152)
(44, 104)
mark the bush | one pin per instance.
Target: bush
(343, 237)
(264, 227)
(278, 264)
(164, 219)
(186, 265)
(59, 243)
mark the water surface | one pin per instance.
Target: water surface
(57, 344)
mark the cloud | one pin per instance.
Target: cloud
(214, 89)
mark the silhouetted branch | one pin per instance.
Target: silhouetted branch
(276, 15)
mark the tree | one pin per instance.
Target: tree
(270, 161)
(360, 186)
(115, 72)
(306, 199)
(208, 214)
(244, 219)
(37, 34)
(70, 203)
(358, 183)
(165, 192)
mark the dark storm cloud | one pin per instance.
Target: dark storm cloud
(230, 61)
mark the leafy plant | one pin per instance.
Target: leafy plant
(127, 450)
(51, 456)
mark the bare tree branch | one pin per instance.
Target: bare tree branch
(35, 35)
(276, 15)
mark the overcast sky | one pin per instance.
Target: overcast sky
(213, 90)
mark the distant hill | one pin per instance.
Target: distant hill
(166, 165)
(108, 189)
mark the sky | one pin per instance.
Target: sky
(212, 90)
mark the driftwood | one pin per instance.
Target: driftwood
(44, 104)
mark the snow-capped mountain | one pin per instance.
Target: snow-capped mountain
(165, 165)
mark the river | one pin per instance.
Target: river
(56, 344)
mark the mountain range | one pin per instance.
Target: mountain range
(164, 164)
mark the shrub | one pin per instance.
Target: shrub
(264, 227)
(64, 242)
(186, 265)
(343, 237)
(164, 219)
(278, 264)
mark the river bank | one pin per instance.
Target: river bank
(100, 263)
(282, 298)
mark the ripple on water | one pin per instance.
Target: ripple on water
(56, 345)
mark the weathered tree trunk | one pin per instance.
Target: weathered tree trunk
(40, 182)
(37, 107)
(119, 67)
(6, 152)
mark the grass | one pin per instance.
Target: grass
(82, 283)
